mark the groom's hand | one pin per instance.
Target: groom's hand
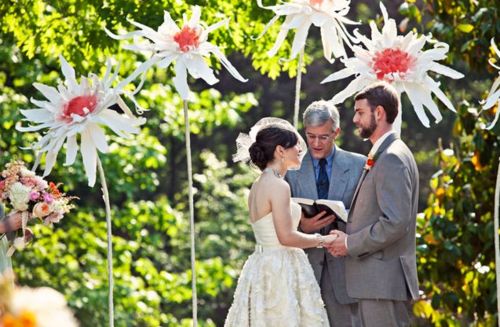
(338, 248)
(314, 224)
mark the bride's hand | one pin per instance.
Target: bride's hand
(329, 239)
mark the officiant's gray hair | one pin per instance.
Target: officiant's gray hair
(320, 112)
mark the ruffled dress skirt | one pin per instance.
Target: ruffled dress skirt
(277, 288)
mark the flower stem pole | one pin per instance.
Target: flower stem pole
(298, 83)
(105, 196)
(497, 243)
(191, 214)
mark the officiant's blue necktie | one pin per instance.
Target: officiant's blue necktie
(322, 184)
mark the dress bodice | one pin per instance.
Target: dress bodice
(264, 231)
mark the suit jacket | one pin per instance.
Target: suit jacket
(346, 171)
(381, 261)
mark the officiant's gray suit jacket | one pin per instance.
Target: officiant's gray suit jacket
(381, 261)
(346, 171)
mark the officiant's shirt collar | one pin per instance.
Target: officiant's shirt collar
(329, 162)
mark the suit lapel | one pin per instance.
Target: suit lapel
(306, 174)
(388, 141)
(338, 177)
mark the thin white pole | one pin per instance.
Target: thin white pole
(105, 196)
(298, 83)
(191, 214)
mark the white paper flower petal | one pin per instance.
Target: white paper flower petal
(89, 157)
(71, 150)
(49, 92)
(446, 71)
(98, 137)
(417, 104)
(227, 64)
(355, 86)
(300, 38)
(492, 99)
(198, 68)
(37, 115)
(180, 80)
(68, 72)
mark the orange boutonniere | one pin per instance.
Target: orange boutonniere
(370, 162)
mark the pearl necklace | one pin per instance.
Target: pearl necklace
(273, 171)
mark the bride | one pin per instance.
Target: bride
(277, 285)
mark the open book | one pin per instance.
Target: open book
(311, 208)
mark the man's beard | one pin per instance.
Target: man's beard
(368, 131)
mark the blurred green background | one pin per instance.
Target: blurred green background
(147, 175)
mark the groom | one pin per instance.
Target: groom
(327, 172)
(379, 246)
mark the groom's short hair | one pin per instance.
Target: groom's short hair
(381, 94)
(320, 112)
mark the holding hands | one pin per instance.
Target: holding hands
(337, 248)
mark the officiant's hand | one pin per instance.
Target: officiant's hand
(338, 248)
(314, 224)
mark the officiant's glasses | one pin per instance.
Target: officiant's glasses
(322, 138)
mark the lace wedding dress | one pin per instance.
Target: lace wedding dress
(277, 285)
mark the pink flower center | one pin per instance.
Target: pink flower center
(188, 38)
(391, 61)
(315, 2)
(81, 106)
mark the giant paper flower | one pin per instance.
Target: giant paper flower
(81, 109)
(494, 94)
(328, 15)
(187, 46)
(401, 61)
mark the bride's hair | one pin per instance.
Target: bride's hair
(268, 138)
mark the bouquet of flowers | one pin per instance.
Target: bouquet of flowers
(23, 192)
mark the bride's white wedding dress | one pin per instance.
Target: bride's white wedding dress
(277, 285)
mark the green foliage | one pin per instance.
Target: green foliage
(456, 230)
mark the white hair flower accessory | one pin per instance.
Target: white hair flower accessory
(400, 61)
(244, 141)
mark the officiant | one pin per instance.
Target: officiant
(327, 172)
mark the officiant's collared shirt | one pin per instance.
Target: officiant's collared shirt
(329, 164)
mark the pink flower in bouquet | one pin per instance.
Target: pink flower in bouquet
(34, 195)
(28, 181)
(54, 217)
(48, 198)
(41, 209)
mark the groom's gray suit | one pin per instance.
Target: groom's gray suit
(328, 270)
(381, 263)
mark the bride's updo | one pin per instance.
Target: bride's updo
(268, 138)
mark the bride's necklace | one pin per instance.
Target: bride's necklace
(273, 171)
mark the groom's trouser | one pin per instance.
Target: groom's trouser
(339, 315)
(384, 313)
